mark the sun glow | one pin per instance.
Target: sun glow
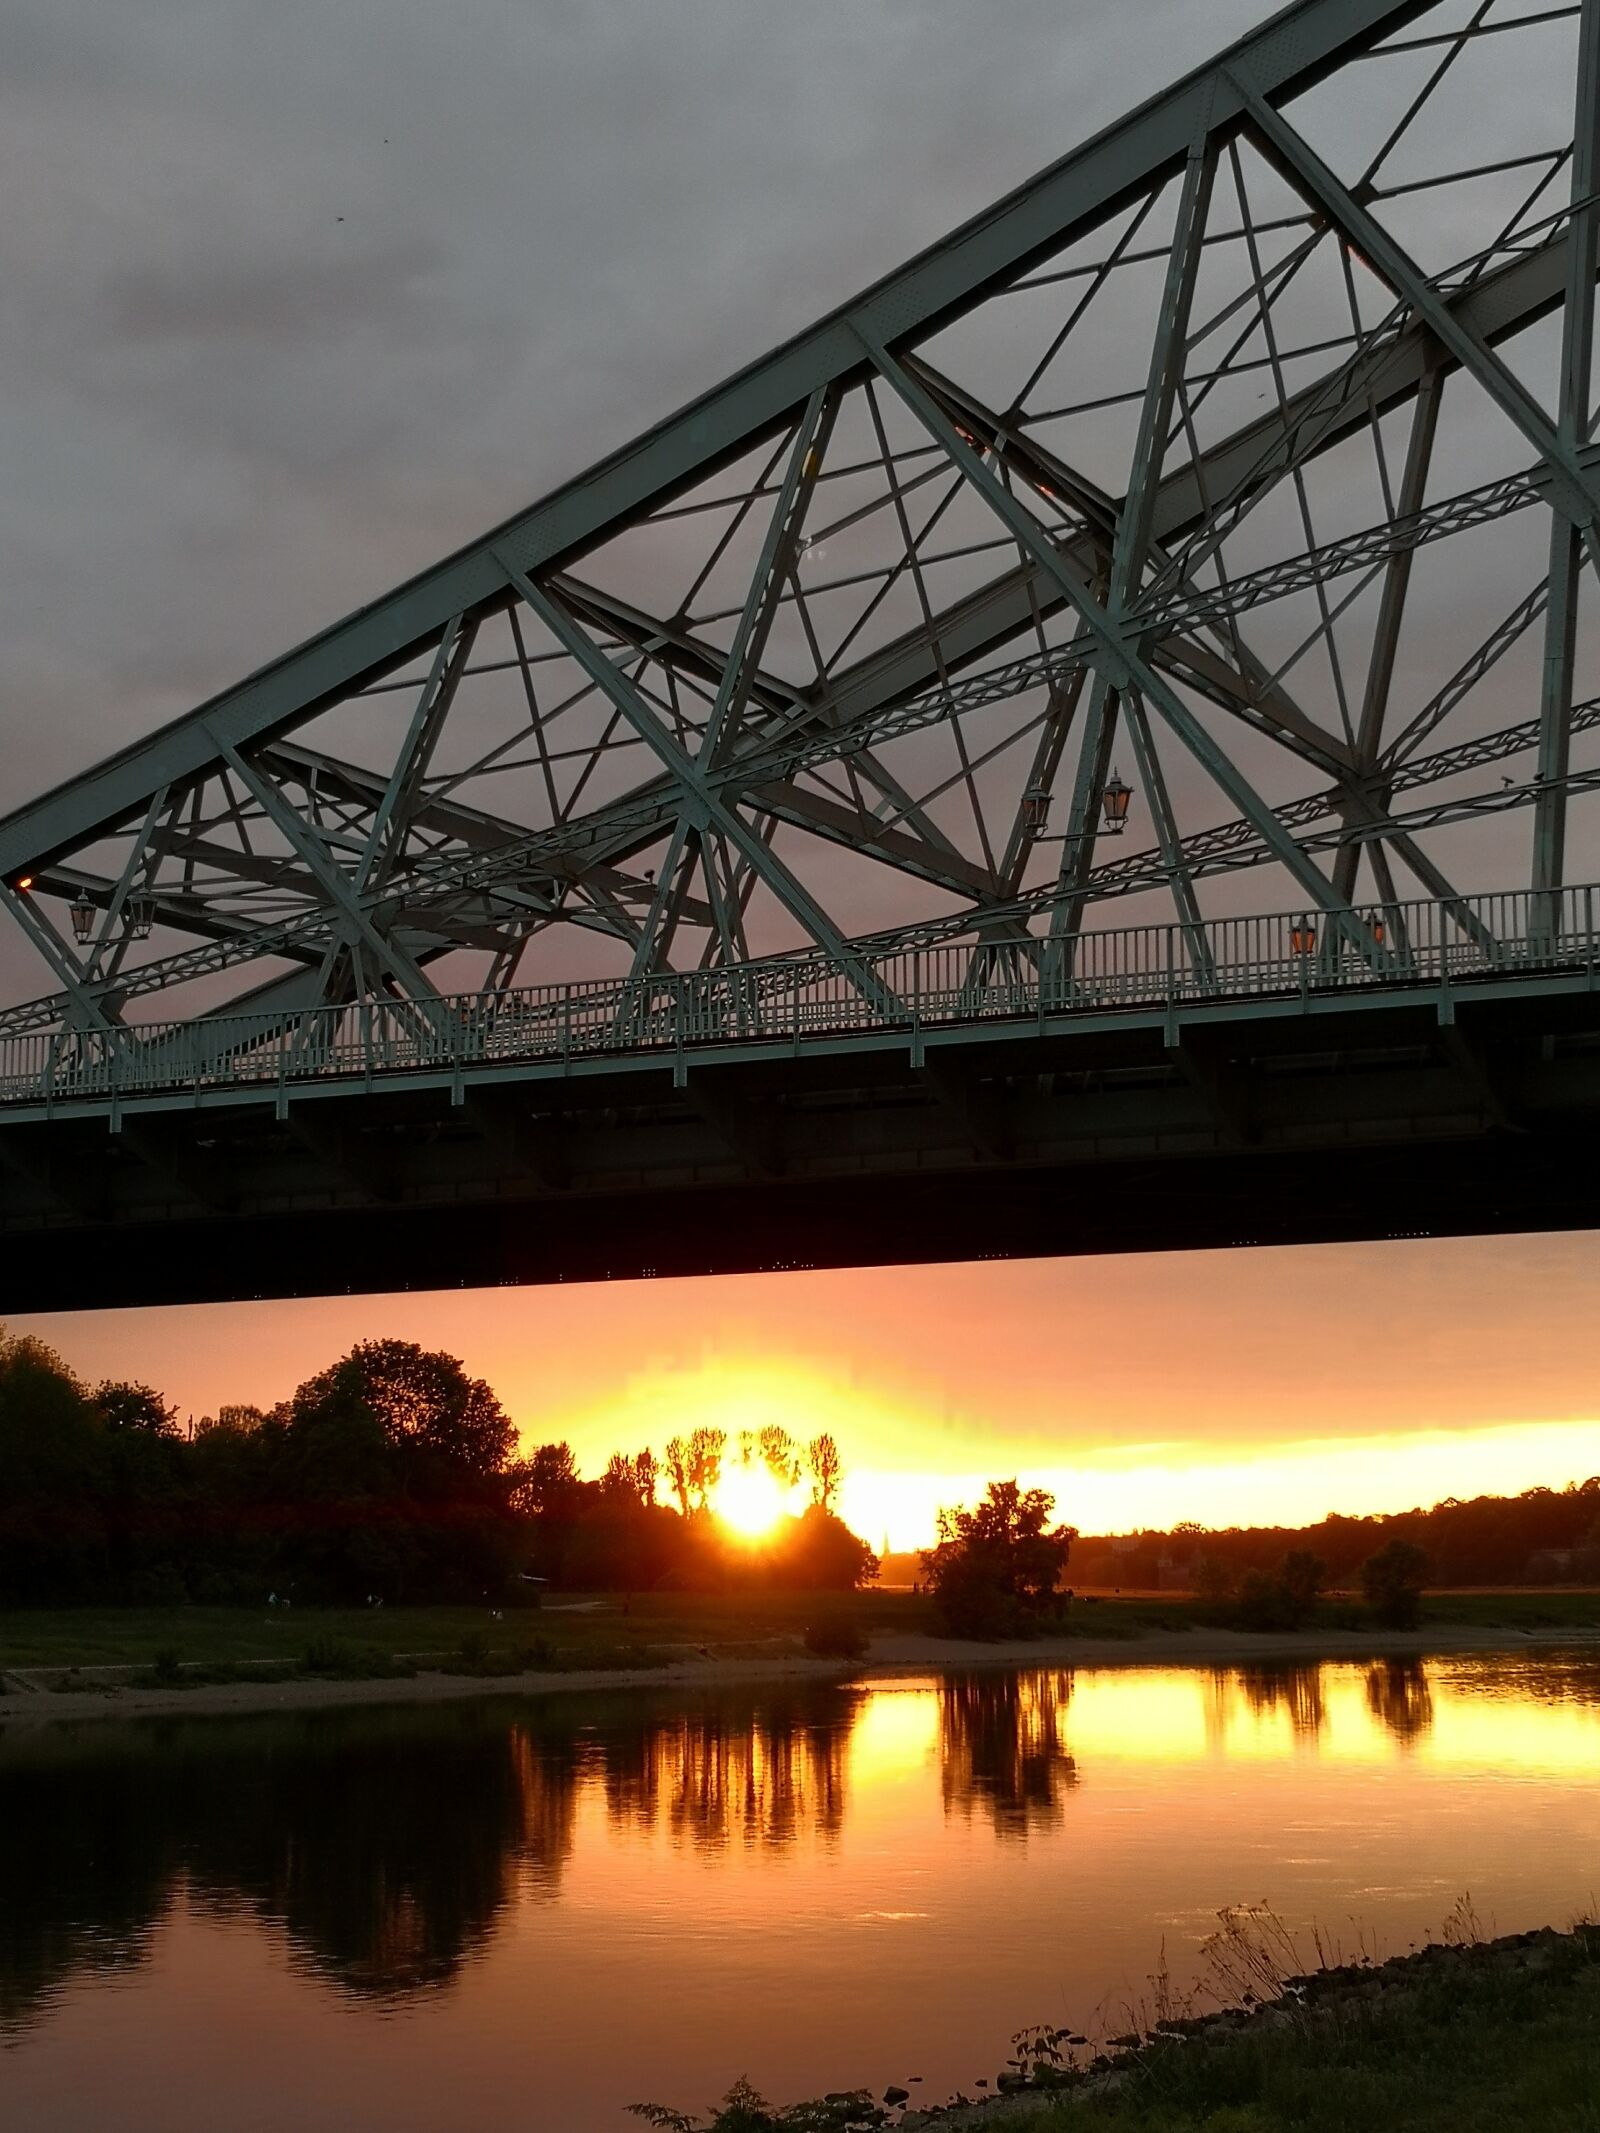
(749, 1499)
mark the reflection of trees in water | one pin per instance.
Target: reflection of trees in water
(761, 1784)
(1398, 1696)
(387, 1859)
(383, 1851)
(1001, 1745)
(1296, 1689)
(79, 1890)
(384, 1845)
(1534, 1677)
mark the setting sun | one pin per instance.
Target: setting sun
(749, 1500)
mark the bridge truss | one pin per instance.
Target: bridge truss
(1208, 529)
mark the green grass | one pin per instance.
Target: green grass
(643, 1630)
(1480, 2040)
(1496, 2038)
(1515, 1610)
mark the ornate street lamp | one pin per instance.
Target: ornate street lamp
(138, 916)
(82, 910)
(1114, 800)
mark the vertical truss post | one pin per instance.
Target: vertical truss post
(391, 820)
(1391, 611)
(772, 570)
(1130, 551)
(646, 955)
(1566, 534)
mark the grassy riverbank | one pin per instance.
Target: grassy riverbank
(607, 1630)
(1471, 2037)
(1452, 2040)
(572, 1629)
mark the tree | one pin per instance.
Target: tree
(547, 1483)
(617, 1480)
(632, 1480)
(235, 1420)
(1391, 1584)
(427, 1406)
(827, 1470)
(1211, 1579)
(123, 1405)
(646, 1475)
(818, 1552)
(1285, 1598)
(1302, 1576)
(996, 1569)
(390, 1472)
(704, 1463)
(54, 1477)
(778, 1455)
(678, 1471)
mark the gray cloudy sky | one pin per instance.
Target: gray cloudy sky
(231, 415)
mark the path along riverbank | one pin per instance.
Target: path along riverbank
(49, 1695)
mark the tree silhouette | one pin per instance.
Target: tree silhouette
(646, 1475)
(827, 1470)
(678, 1471)
(704, 1463)
(424, 1402)
(779, 1455)
(996, 1568)
(547, 1481)
(1391, 1583)
(122, 1405)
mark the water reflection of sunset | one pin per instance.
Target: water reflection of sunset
(717, 1873)
(1343, 1713)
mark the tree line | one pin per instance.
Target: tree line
(392, 1475)
(1540, 1536)
(1000, 1569)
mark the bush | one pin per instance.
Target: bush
(1391, 1584)
(167, 1666)
(1285, 1598)
(338, 1658)
(837, 1637)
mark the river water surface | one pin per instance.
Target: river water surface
(529, 1915)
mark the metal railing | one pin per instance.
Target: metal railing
(789, 999)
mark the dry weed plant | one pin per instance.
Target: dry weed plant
(1462, 1927)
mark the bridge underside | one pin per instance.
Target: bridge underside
(1338, 1121)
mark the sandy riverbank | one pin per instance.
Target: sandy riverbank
(29, 1703)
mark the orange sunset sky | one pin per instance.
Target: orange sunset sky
(1223, 1386)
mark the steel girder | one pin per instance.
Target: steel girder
(1205, 449)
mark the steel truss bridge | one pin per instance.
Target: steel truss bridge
(1090, 746)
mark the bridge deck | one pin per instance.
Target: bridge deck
(929, 1105)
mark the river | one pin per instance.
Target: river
(530, 1914)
